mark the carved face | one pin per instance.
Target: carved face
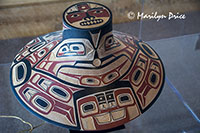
(87, 15)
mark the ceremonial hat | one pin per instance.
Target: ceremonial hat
(87, 77)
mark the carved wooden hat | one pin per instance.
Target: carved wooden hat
(87, 77)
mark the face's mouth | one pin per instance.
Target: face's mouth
(91, 22)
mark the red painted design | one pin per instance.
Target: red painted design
(113, 123)
(75, 17)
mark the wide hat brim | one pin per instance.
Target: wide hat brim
(84, 93)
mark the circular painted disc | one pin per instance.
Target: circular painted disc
(87, 15)
(87, 81)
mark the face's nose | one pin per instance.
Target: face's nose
(89, 17)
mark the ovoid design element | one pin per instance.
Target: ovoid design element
(87, 77)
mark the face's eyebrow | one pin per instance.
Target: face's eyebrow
(96, 8)
(73, 12)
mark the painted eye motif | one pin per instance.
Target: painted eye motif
(41, 53)
(110, 77)
(98, 11)
(71, 49)
(59, 93)
(89, 108)
(124, 99)
(20, 71)
(41, 103)
(90, 81)
(110, 40)
(110, 43)
(153, 79)
(75, 15)
(65, 49)
(137, 76)
(76, 48)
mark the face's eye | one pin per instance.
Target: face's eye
(76, 48)
(42, 52)
(110, 40)
(41, 103)
(110, 43)
(20, 73)
(65, 49)
(90, 81)
(89, 108)
(153, 79)
(137, 76)
(75, 15)
(124, 99)
(110, 77)
(59, 93)
(71, 49)
(98, 11)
